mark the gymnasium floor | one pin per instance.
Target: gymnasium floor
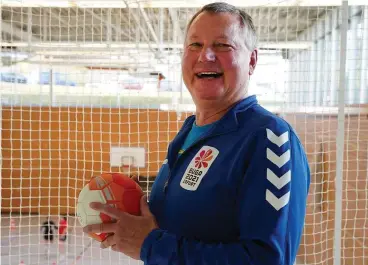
(25, 244)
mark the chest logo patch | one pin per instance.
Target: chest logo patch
(198, 167)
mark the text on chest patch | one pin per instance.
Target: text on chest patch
(198, 167)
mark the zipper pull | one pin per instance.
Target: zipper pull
(166, 184)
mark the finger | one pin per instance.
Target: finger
(108, 242)
(115, 213)
(106, 209)
(100, 228)
(145, 211)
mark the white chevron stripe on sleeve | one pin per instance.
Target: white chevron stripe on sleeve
(278, 160)
(277, 203)
(278, 140)
(278, 182)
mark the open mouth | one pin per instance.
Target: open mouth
(209, 75)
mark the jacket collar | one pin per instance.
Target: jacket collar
(228, 123)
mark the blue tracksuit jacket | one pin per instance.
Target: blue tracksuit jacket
(236, 196)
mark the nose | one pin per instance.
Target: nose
(207, 55)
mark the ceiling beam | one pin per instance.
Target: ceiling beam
(61, 20)
(148, 23)
(142, 31)
(13, 30)
(105, 61)
(108, 65)
(177, 34)
(116, 28)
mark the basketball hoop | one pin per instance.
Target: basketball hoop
(128, 163)
(126, 170)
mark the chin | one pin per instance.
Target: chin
(209, 96)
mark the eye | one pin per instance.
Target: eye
(195, 44)
(223, 46)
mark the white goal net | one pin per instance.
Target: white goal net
(81, 77)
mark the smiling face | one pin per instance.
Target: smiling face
(216, 62)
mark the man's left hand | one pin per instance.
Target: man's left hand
(129, 231)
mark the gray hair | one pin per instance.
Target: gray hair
(246, 20)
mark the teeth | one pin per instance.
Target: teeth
(208, 73)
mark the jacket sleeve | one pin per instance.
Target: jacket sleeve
(271, 207)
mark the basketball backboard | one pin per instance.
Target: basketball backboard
(127, 156)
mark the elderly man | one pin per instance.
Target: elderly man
(234, 185)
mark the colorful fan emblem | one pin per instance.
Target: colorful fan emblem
(203, 159)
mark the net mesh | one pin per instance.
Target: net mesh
(80, 77)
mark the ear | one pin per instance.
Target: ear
(253, 61)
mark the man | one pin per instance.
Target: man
(234, 186)
(47, 229)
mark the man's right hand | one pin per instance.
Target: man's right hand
(110, 240)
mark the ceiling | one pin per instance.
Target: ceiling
(127, 37)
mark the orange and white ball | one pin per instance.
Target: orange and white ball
(115, 189)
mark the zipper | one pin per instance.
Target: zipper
(199, 140)
(168, 177)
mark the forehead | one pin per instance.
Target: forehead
(219, 24)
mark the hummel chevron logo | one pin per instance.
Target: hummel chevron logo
(278, 182)
(277, 203)
(278, 160)
(278, 140)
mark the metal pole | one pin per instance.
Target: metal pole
(340, 135)
(363, 97)
(334, 56)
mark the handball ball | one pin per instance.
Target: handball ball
(115, 189)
